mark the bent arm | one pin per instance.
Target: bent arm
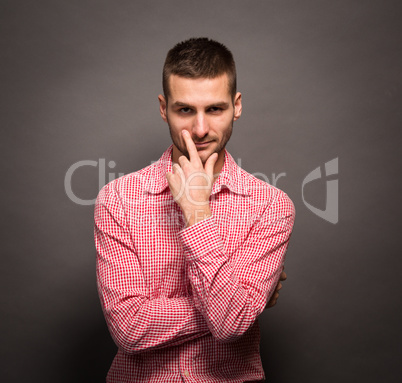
(136, 321)
(232, 290)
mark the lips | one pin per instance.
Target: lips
(202, 144)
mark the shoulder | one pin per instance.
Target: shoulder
(128, 187)
(271, 197)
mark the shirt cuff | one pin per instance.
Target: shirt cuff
(201, 238)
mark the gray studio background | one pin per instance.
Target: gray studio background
(321, 80)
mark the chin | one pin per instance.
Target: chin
(205, 154)
(204, 158)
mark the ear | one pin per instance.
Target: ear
(237, 106)
(162, 107)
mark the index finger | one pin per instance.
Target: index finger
(192, 150)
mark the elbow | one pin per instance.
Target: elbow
(124, 339)
(231, 323)
(119, 335)
(122, 344)
(127, 347)
(225, 336)
(227, 332)
(128, 335)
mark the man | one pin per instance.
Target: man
(191, 248)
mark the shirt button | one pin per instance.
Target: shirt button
(186, 374)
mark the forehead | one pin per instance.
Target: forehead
(199, 91)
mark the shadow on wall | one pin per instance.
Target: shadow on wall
(274, 349)
(89, 355)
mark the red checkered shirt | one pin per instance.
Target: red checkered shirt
(182, 303)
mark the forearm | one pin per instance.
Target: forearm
(139, 324)
(231, 290)
(227, 305)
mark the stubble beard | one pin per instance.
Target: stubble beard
(221, 145)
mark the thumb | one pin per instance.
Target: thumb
(210, 164)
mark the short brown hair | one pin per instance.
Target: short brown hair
(198, 58)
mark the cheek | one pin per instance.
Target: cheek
(176, 125)
(222, 124)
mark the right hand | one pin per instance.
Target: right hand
(275, 295)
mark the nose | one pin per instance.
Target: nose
(200, 126)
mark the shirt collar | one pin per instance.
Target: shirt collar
(230, 177)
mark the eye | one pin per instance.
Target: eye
(185, 110)
(215, 109)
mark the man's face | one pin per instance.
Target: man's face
(204, 107)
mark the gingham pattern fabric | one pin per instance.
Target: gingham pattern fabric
(182, 303)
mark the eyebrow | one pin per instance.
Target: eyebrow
(221, 104)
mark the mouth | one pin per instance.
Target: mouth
(201, 145)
